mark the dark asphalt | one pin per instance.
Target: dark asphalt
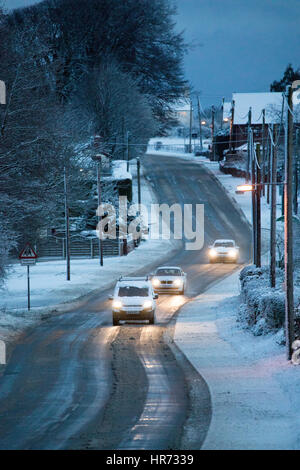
(75, 381)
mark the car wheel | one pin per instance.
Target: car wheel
(115, 321)
(152, 320)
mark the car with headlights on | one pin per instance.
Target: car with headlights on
(169, 279)
(133, 299)
(223, 251)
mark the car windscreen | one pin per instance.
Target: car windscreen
(168, 272)
(224, 244)
(133, 291)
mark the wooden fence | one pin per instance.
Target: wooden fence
(54, 247)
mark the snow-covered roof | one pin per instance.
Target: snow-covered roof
(271, 102)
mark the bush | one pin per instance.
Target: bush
(272, 308)
(263, 308)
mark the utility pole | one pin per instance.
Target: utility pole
(281, 189)
(191, 125)
(296, 172)
(200, 122)
(99, 203)
(123, 138)
(258, 206)
(138, 165)
(268, 176)
(67, 225)
(253, 195)
(128, 149)
(273, 174)
(28, 287)
(231, 127)
(288, 225)
(222, 113)
(248, 149)
(295, 199)
(213, 132)
(263, 150)
(97, 160)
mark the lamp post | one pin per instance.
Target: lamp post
(191, 125)
(258, 205)
(231, 127)
(213, 131)
(128, 149)
(200, 122)
(97, 159)
(273, 177)
(67, 225)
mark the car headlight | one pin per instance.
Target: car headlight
(212, 253)
(156, 282)
(232, 253)
(178, 282)
(117, 304)
(147, 304)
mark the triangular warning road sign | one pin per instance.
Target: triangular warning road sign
(28, 253)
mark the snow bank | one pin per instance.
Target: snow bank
(263, 308)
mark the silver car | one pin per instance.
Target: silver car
(133, 299)
(223, 251)
(169, 279)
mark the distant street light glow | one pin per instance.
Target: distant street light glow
(243, 188)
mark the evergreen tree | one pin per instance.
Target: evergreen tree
(289, 76)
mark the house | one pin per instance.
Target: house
(181, 112)
(239, 107)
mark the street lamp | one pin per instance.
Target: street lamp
(243, 188)
(97, 158)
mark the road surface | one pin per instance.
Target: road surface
(77, 382)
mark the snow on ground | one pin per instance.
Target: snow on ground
(119, 168)
(173, 140)
(254, 390)
(48, 279)
(175, 144)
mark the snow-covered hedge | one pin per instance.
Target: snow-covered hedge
(263, 308)
(233, 167)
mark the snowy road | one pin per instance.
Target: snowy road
(77, 382)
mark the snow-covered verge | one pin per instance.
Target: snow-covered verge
(254, 389)
(50, 291)
(263, 308)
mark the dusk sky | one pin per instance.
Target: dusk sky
(240, 45)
